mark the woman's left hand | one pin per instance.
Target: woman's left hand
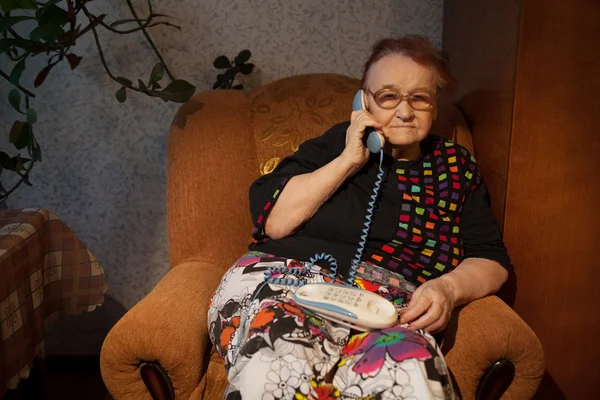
(430, 307)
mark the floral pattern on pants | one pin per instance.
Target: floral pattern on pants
(274, 349)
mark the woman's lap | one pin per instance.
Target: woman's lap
(272, 348)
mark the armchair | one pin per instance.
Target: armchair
(219, 143)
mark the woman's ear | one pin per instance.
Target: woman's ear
(434, 111)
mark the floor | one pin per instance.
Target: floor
(63, 379)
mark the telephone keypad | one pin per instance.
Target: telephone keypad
(344, 296)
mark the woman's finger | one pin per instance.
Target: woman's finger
(437, 326)
(361, 120)
(433, 314)
(441, 323)
(413, 301)
(418, 305)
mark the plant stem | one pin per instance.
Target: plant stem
(24, 177)
(15, 34)
(100, 52)
(21, 88)
(5, 195)
(149, 39)
(97, 40)
(147, 24)
(11, 30)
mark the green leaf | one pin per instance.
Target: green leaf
(8, 22)
(238, 87)
(141, 84)
(179, 91)
(242, 57)
(16, 163)
(31, 116)
(47, 33)
(222, 78)
(5, 160)
(46, 6)
(5, 44)
(14, 98)
(222, 62)
(51, 14)
(73, 60)
(121, 94)
(123, 81)
(19, 134)
(161, 95)
(157, 72)
(247, 69)
(9, 5)
(15, 75)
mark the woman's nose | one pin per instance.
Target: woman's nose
(404, 111)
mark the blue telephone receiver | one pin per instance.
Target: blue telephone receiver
(371, 139)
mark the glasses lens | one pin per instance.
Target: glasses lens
(420, 100)
(387, 98)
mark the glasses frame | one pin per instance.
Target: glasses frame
(403, 97)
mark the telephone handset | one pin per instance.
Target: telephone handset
(371, 138)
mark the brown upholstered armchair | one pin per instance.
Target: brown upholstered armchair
(220, 141)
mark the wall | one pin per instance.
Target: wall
(483, 56)
(104, 162)
(530, 84)
(553, 189)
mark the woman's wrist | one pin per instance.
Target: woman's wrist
(346, 166)
(455, 288)
(475, 278)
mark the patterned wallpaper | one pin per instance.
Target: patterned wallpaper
(104, 169)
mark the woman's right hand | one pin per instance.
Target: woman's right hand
(356, 154)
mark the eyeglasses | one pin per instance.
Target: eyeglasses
(389, 98)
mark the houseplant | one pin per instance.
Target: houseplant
(29, 28)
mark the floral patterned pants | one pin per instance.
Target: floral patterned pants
(275, 349)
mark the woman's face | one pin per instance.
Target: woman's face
(402, 126)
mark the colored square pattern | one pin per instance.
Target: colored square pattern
(428, 243)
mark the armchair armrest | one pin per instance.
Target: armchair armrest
(483, 332)
(169, 327)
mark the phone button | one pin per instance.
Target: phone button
(373, 307)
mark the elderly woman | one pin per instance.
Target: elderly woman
(432, 245)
